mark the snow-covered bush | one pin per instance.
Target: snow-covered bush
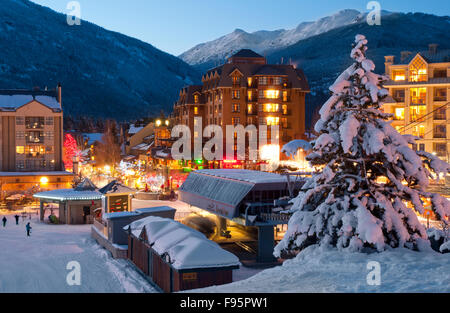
(369, 176)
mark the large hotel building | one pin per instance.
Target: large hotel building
(419, 89)
(247, 91)
(31, 140)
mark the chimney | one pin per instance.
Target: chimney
(388, 61)
(404, 55)
(432, 48)
(58, 90)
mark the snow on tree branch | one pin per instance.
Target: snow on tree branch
(372, 182)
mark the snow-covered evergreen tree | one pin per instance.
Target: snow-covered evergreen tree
(369, 176)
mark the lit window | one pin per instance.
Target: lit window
(196, 99)
(285, 109)
(418, 70)
(271, 94)
(250, 109)
(20, 149)
(399, 75)
(271, 107)
(235, 120)
(419, 131)
(195, 110)
(236, 108)
(249, 95)
(418, 96)
(399, 114)
(285, 96)
(236, 94)
(272, 121)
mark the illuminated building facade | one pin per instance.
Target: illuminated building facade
(247, 91)
(31, 140)
(419, 89)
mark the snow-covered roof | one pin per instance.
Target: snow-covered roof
(69, 195)
(184, 247)
(93, 137)
(255, 177)
(116, 187)
(142, 146)
(15, 101)
(56, 173)
(114, 215)
(86, 185)
(134, 130)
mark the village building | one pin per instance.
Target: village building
(109, 233)
(245, 205)
(116, 197)
(247, 91)
(76, 206)
(419, 88)
(31, 140)
(175, 257)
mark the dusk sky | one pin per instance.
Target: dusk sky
(177, 25)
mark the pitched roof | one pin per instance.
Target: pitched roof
(430, 57)
(183, 247)
(295, 76)
(190, 91)
(116, 187)
(86, 185)
(246, 53)
(11, 100)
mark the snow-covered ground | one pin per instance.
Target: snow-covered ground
(315, 270)
(38, 263)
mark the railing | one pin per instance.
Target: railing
(418, 101)
(270, 217)
(399, 99)
(440, 98)
(439, 135)
(439, 116)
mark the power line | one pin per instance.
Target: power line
(422, 119)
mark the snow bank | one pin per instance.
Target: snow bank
(316, 270)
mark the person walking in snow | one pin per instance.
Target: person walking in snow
(17, 219)
(4, 220)
(28, 227)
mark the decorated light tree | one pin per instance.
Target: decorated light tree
(370, 181)
(70, 151)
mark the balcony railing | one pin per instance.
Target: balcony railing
(399, 99)
(439, 135)
(418, 101)
(440, 98)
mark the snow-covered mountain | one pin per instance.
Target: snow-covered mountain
(266, 41)
(103, 73)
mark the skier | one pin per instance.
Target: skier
(17, 219)
(28, 227)
(4, 220)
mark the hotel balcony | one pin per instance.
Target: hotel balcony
(399, 99)
(440, 98)
(439, 135)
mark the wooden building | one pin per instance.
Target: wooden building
(116, 197)
(76, 206)
(176, 257)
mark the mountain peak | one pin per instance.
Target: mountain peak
(264, 41)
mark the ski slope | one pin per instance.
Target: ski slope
(38, 263)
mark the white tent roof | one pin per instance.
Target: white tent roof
(68, 195)
(185, 247)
